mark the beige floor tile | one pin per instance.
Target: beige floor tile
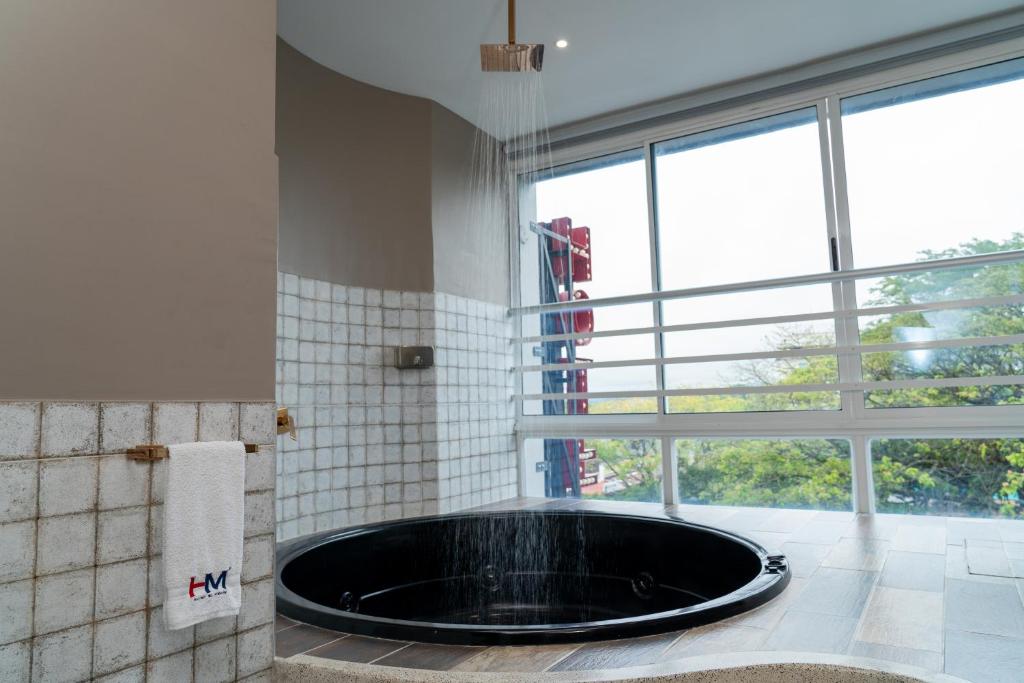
(932, 661)
(956, 568)
(768, 615)
(914, 571)
(812, 632)
(715, 639)
(987, 558)
(528, 658)
(771, 540)
(903, 618)
(820, 531)
(881, 527)
(920, 538)
(805, 558)
(1012, 531)
(786, 521)
(1014, 551)
(867, 554)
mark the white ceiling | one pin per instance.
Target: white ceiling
(621, 52)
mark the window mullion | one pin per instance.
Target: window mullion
(669, 472)
(848, 329)
(652, 241)
(833, 233)
(864, 487)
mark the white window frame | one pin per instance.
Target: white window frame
(854, 421)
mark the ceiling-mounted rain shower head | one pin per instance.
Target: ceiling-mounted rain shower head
(512, 56)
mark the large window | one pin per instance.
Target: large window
(849, 265)
(751, 194)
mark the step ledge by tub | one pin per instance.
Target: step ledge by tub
(740, 667)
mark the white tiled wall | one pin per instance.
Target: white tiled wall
(80, 543)
(475, 413)
(373, 440)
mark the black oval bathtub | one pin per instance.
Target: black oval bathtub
(523, 577)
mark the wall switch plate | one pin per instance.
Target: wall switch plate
(414, 357)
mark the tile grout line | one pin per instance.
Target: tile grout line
(945, 586)
(198, 406)
(286, 628)
(485, 649)
(864, 610)
(35, 539)
(149, 551)
(237, 410)
(374, 661)
(95, 545)
(561, 659)
(317, 647)
(674, 641)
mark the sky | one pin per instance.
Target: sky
(928, 174)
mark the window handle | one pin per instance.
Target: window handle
(833, 252)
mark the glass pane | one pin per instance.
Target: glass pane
(755, 403)
(608, 195)
(742, 203)
(973, 477)
(944, 324)
(784, 473)
(597, 349)
(751, 338)
(606, 469)
(605, 200)
(934, 167)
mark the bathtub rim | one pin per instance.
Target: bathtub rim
(760, 590)
(730, 667)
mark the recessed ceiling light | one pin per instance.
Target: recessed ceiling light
(562, 43)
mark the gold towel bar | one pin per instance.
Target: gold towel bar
(155, 451)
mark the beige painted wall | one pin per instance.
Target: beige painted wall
(138, 199)
(355, 179)
(470, 238)
(375, 188)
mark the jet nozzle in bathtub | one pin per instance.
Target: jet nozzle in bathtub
(512, 56)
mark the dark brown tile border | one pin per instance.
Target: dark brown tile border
(302, 638)
(429, 656)
(361, 649)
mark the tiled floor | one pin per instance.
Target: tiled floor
(944, 594)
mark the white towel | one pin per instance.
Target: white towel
(203, 531)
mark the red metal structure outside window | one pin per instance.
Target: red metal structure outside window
(565, 259)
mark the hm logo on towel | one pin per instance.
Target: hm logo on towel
(210, 585)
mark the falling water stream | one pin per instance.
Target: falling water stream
(511, 140)
(516, 567)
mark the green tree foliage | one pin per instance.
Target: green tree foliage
(924, 476)
(635, 464)
(949, 476)
(967, 361)
(812, 473)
